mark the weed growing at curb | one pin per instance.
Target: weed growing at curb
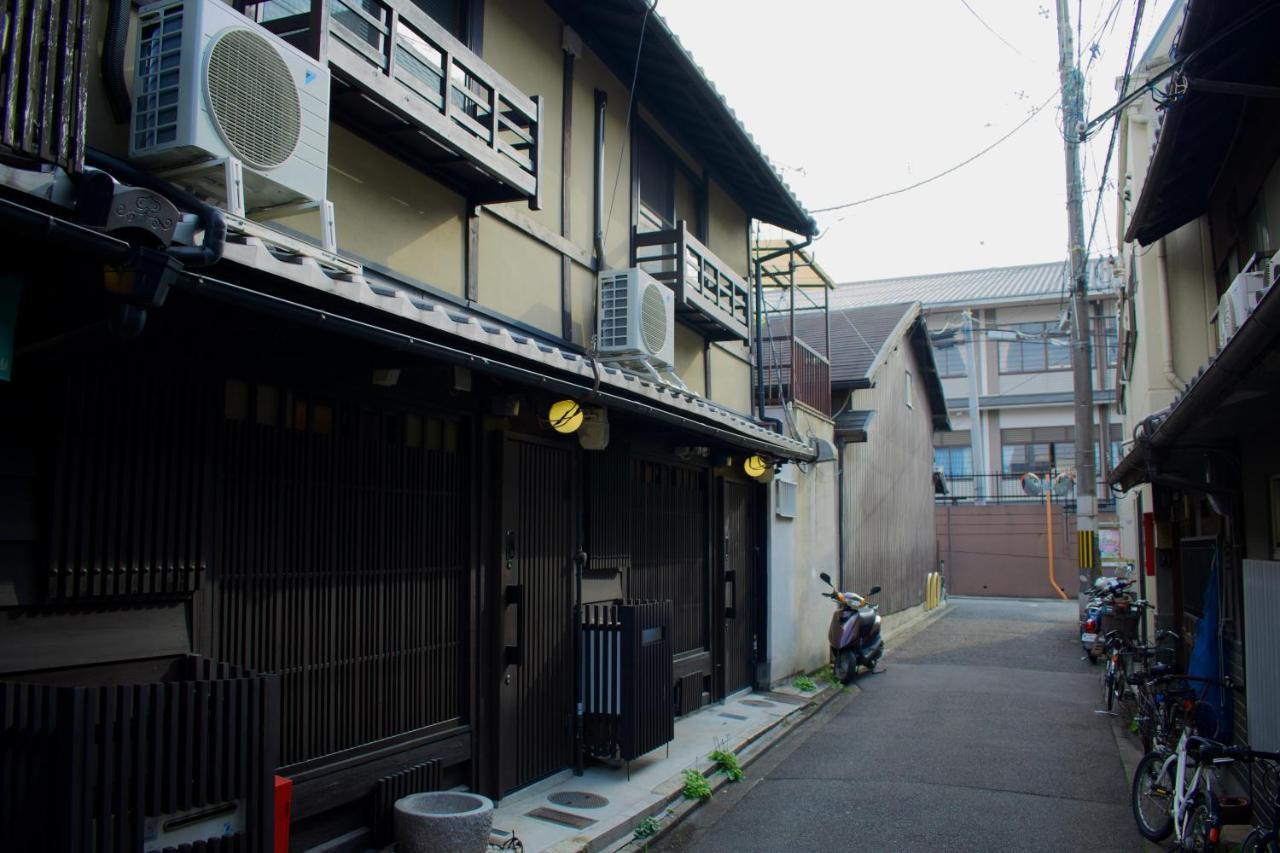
(804, 683)
(646, 828)
(696, 786)
(825, 675)
(728, 764)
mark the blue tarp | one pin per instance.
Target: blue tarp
(1207, 662)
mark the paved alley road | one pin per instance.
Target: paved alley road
(979, 735)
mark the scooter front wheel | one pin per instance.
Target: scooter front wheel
(844, 667)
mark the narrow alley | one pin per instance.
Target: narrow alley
(980, 734)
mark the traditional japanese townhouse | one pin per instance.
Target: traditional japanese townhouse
(1199, 363)
(317, 432)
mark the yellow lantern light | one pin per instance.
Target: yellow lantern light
(755, 466)
(565, 416)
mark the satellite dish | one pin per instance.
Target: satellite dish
(1032, 485)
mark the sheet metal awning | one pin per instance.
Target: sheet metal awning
(1236, 392)
(1222, 42)
(673, 87)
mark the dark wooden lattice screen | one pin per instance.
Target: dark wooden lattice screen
(339, 561)
(669, 551)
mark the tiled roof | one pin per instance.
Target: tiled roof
(857, 336)
(970, 287)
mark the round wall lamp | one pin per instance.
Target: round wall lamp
(755, 466)
(565, 416)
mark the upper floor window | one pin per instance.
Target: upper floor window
(1037, 450)
(950, 361)
(1110, 340)
(666, 191)
(1039, 348)
(953, 453)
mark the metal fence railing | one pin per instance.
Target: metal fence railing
(1017, 488)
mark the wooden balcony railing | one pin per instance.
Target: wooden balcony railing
(405, 82)
(709, 295)
(796, 372)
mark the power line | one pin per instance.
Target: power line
(1006, 42)
(626, 128)
(1115, 125)
(1035, 112)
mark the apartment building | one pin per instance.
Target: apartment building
(1001, 347)
(321, 447)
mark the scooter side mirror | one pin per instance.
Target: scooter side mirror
(874, 590)
(826, 578)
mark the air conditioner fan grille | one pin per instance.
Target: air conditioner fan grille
(253, 98)
(653, 319)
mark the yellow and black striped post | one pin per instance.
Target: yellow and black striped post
(1086, 559)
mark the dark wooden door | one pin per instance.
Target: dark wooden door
(536, 672)
(737, 579)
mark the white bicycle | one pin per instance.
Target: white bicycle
(1173, 793)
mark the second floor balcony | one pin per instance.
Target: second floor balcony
(795, 372)
(403, 81)
(710, 297)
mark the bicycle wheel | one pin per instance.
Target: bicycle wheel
(1152, 797)
(1202, 824)
(1260, 840)
(1108, 676)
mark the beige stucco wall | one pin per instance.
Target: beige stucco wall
(888, 486)
(730, 376)
(691, 359)
(727, 230)
(800, 549)
(391, 214)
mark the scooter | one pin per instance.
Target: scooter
(1109, 597)
(854, 634)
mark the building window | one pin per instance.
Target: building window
(908, 388)
(666, 191)
(1036, 450)
(1110, 340)
(1039, 349)
(950, 361)
(952, 453)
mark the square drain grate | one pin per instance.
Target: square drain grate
(758, 703)
(575, 821)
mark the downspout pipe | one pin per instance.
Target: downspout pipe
(113, 59)
(1162, 284)
(211, 219)
(759, 328)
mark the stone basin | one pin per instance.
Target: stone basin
(441, 821)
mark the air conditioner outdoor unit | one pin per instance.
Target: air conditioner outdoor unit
(1238, 302)
(637, 318)
(216, 95)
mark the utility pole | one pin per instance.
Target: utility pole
(1081, 354)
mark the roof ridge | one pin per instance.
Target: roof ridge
(977, 270)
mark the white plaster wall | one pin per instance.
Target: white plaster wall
(801, 548)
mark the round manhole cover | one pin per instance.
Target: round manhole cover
(578, 800)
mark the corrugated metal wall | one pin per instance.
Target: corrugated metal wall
(1262, 652)
(889, 536)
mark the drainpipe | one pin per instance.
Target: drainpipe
(759, 328)
(1162, 284)
(215, 227)
(113, 59)
(602, 100)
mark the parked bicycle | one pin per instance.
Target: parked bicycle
(1173, 793)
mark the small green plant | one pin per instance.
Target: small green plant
(647, 828)
(728, 764)
(804, 683)
(696, 786)
(825, 675)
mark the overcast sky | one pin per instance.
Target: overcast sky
(851, 98)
